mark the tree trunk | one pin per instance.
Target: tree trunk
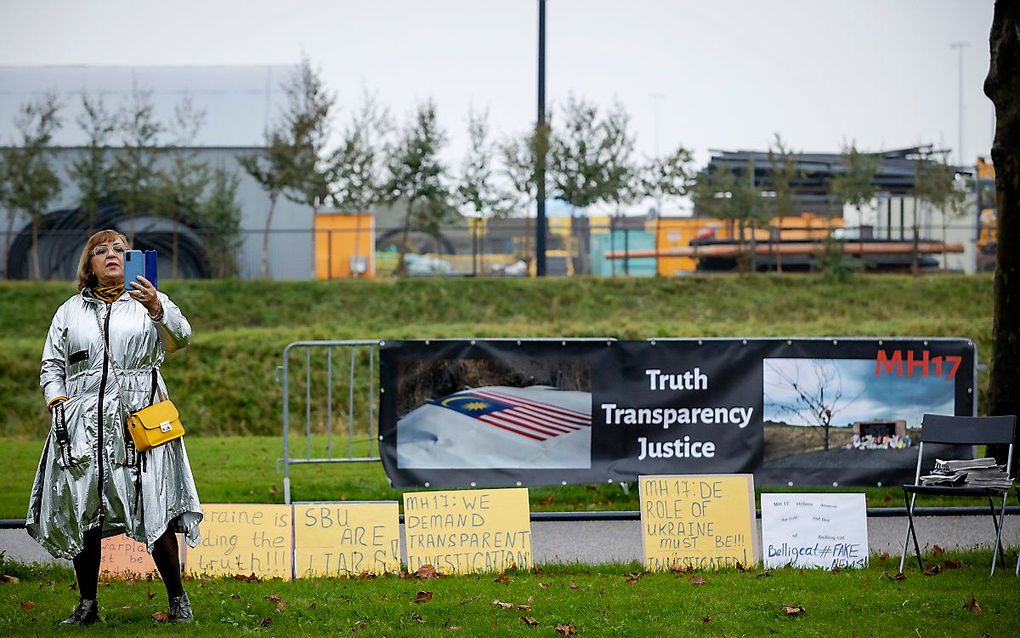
(264, 267)
(405, 238)
(36, 271)
(173, 252)
(1003, 86)
(7, 246)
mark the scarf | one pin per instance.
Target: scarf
(109, 294)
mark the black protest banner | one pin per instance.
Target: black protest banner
(538, 412)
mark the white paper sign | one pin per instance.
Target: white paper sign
(814, 530)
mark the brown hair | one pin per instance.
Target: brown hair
(86, 277)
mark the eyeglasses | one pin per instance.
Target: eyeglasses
(103, 249)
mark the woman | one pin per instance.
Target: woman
(99, 364)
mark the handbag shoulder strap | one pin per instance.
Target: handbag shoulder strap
(113, 368)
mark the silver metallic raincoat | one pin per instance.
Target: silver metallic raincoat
(140, 496)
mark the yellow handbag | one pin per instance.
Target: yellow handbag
(155, 425)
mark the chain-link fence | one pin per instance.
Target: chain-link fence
(609, 246)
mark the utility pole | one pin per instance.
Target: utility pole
(541, 139)
(960, 46)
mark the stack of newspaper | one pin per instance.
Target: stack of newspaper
(983, 472)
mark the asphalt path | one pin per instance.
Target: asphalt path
(596, 542)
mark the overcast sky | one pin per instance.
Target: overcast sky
(725, 74)
(862, 395)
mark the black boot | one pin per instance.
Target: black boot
(86, 613)
(180, 609)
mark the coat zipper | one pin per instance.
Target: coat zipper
(102, 393)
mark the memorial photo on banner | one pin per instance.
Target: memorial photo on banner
(843, 413)
(485, 413)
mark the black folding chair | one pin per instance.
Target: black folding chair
(961, 430)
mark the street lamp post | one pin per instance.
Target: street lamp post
(541, 148)
(960, 46)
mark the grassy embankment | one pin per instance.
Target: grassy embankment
(956, 599)
(224, 382)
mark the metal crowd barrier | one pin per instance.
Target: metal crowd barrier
(318, 399)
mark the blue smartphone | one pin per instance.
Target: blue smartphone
(134, 265)
(151, 271)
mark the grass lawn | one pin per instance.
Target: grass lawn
(243, 469)
(605, 600)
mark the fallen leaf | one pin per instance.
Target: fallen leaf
(548, 499)
(149, 595)
(273, 598)
(529, 621)
(952, 564)
(678, 569)
(573, 585)
(10, 579)
(697, 580)
(281, 606)
(884, 555)
(632, 581)
(130, 582)
(246, 579)
(764, 575)
(359, 626)
(933, 570)
(973, 605)
(161, 616)
(418, 618)
(705, 620)
(27, 605)
(543, 585)
(523, 607)
(793, 611)
(266, 622)
(740, 567)
(366, 576)
(937, 551)
(503, 579)
(535, 569)
(566, 630)
(73, 586)
(128, 606)
(425, 572)
(898, 576)
(502, 605)
(422, 597)
(835, 569)
(235, 597)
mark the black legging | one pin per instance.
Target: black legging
(164, 554)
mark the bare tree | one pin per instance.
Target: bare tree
(477, 190)
(91, 171)
(519, 155)
(30, 182)
(134, 168)
(293, 161)
(416, 175)
(783, 172)
(354, 169)
(817, 394)
(180, 187)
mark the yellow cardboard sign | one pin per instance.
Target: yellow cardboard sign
(243, 539)
(346, 539)
(468, 531)
(123, 557)
(704, 522)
